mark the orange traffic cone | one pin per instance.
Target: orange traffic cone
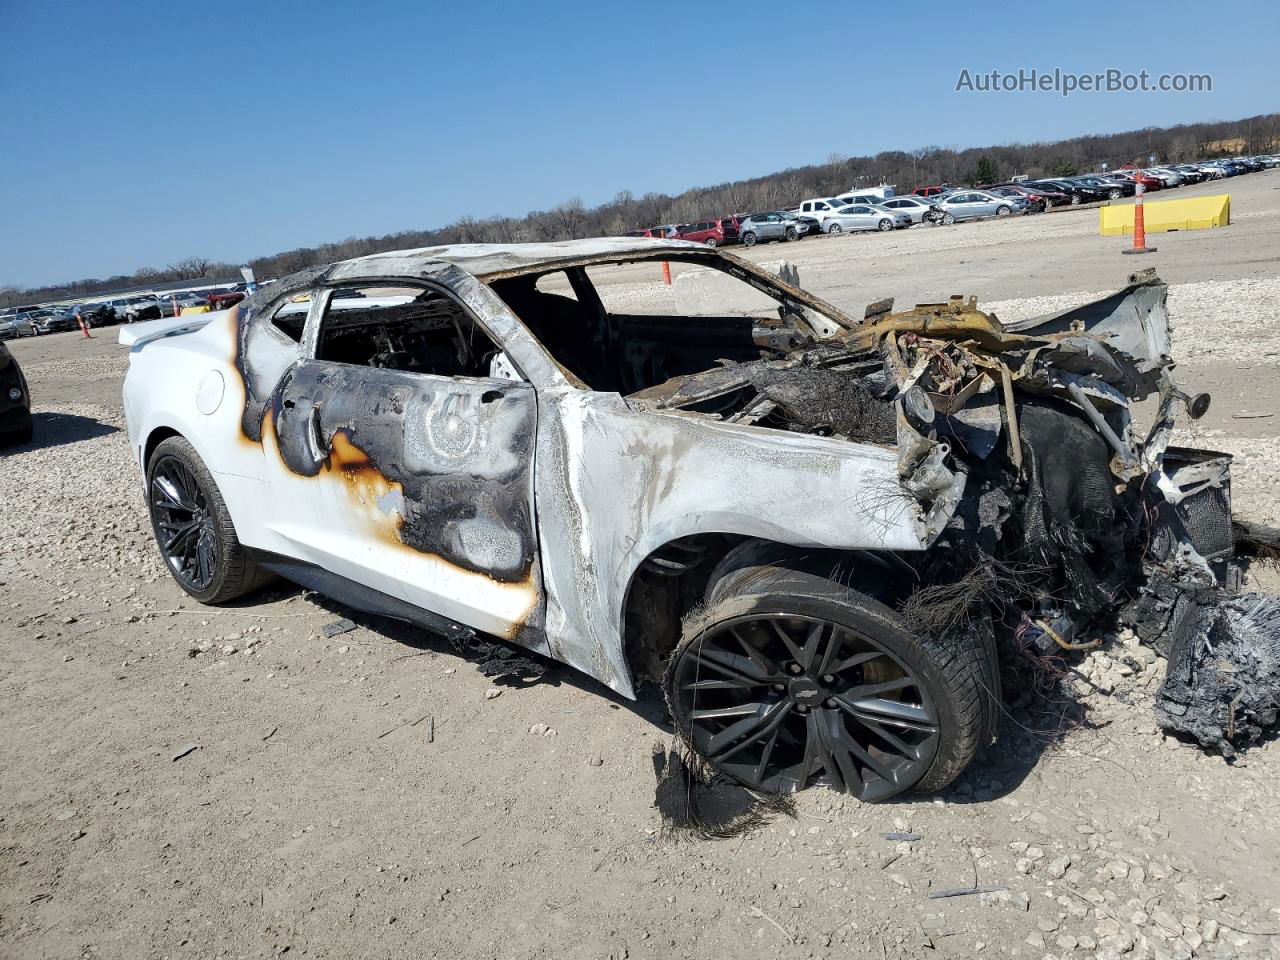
(1139, 225)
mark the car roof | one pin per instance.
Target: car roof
(484, 260)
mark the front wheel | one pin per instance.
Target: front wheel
(1075, 199)
(748, 239)
(948, 218)
(789, 679)
(1115, 194)
(1003, 211)
(791, 234)
(885, 225)
(710, 241)
(835, 228)
(193, 527)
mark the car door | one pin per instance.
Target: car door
(775, 227)
(405, 459)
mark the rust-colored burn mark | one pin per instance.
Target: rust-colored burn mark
(366, 483)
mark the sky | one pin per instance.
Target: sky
(140, 133)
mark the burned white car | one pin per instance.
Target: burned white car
(820, 534)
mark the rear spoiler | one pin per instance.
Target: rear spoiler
(136, 334)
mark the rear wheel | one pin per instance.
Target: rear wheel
(1115, 194)
(748, 239)
(885, 225)
(1075, 199)
(193, 528)
(1003, 211)
(710, 241)
(789, 679)
(835, 228)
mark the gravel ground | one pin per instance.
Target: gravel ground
(315, 817)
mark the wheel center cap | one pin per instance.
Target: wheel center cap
(803, 690)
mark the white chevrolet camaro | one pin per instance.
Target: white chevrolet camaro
(731, 488)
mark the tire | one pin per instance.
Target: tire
(748, 239)
(21, 435)
(806, 716)
(1075, 199)
(835, 228)
(213, 568)
(885, 225)
(948, 218)
(1003, 211)
(710, 242)
(1115, 194)
(791, 234)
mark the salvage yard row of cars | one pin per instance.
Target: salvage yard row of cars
(880, 209)
(34, 321)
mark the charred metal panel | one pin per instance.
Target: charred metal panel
(456, 456)
(614, 483)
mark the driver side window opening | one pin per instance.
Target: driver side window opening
(407, 328)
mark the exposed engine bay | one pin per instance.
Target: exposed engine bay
(1052, 517)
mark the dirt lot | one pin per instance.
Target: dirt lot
(314, 817)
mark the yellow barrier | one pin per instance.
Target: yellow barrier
(1197, 213)
(188, 311)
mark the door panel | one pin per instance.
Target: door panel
(417, 485)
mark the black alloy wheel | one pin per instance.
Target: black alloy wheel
(781, 702)
(184, 524)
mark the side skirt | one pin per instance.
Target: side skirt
(358, 596)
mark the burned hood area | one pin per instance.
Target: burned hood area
(1048, 516)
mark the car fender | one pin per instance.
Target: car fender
(614, 483)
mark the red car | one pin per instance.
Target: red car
(930, 191)
(1137, 176)
(712, 233)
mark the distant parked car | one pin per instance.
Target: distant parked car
(971, 205)
(805, 226)
(15, 401)
(1037, 201)
(864, 216)
(224, 299)
(15, 325)
(914, 207)
(933, 190)
(761, 227)
(95, 314)
(820, 208)
(711, 233)
(54, 321)
(1077, 193)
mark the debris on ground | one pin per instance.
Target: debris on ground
(695, 799)
(338, 627)
(184, 751)
(1223, 682)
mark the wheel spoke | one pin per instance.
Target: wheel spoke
(740, 669)
(908, 716)
(734, 737)
(171, 497)
(780, 632)
(768, 666)
(866, 690)
(856, 660)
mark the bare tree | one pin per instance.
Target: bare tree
(192, 267)
(569, 217)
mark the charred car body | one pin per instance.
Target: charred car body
(820, 534)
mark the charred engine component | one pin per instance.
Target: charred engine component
(1223, 682)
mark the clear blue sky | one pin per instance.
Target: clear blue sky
(139, 133)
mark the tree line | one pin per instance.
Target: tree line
(573, 219)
